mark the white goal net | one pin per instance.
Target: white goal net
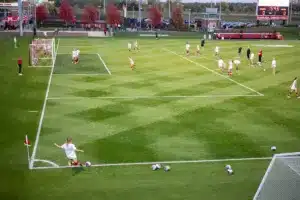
(282, 179)
(42, 52)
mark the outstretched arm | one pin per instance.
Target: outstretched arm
(59, 146)
(79, 150)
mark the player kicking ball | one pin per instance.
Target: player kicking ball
(187, 48)
(70, 151)
(132, 65)
(294, 88)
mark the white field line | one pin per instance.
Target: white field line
(164, 162)
(213, 71)
(40, 66)
(47, 161)
(79, 74)
(33, 111)
(43, 112)
(104, 64)
(153, 97)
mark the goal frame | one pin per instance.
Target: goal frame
(275, 156)
(52, 54)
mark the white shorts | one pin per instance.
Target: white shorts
(293, 88)
(273, 66)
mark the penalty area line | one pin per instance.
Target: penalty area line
(163, 162)
(104, 64)
(153, 97)
(213, 71)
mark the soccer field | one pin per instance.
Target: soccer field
(174, 109)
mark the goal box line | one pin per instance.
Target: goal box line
(81, 56)
(152, 97)
(157, 162)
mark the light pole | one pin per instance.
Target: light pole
(169, 9)
(189, 19)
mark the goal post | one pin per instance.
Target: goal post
(282, 178)
(42, 52)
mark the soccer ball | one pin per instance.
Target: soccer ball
(167, 168)
(88, 164)
(273, 148)
(230, 171)
(156, 167)
(227, 167)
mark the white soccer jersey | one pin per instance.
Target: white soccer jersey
(294, 85)
(230, 65)
(198, 48)
(217, 49)
(220, 63)
(187, 46)
(237, 62)
(70, 151)
(136, 44)
(252, 56)
(129, 45)
(77, 53)
(273, 63)
(74, 54)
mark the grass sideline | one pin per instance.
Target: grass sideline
(146, 129)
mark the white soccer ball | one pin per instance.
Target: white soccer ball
(167, 168)
(273, 148)
(230, 171)
(227, 167)
(88, 164)
(154, 167)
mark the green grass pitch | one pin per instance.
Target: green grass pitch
(172, 107)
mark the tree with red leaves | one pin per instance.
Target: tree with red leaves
(66, 11)
(155, 16)
(41, 13)
(177, 19)
(113, 14)
(90, 14)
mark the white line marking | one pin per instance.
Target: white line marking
(47, 161)
(152, 97)
(163, 162)
(33, 111)
(104, 64)
(213, 71)
(43, 112)
(48, 66)
(79, 74)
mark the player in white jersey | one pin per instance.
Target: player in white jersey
(217, 51)
(129, 45)
(187, 48)
(293, 88)
(221, 64)
(132, 65)
(198, 50)
(252, 59)
(74, 56)
(230, 66)
(70, 151)
(136, 45)
(237, 64)
(274, 66)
